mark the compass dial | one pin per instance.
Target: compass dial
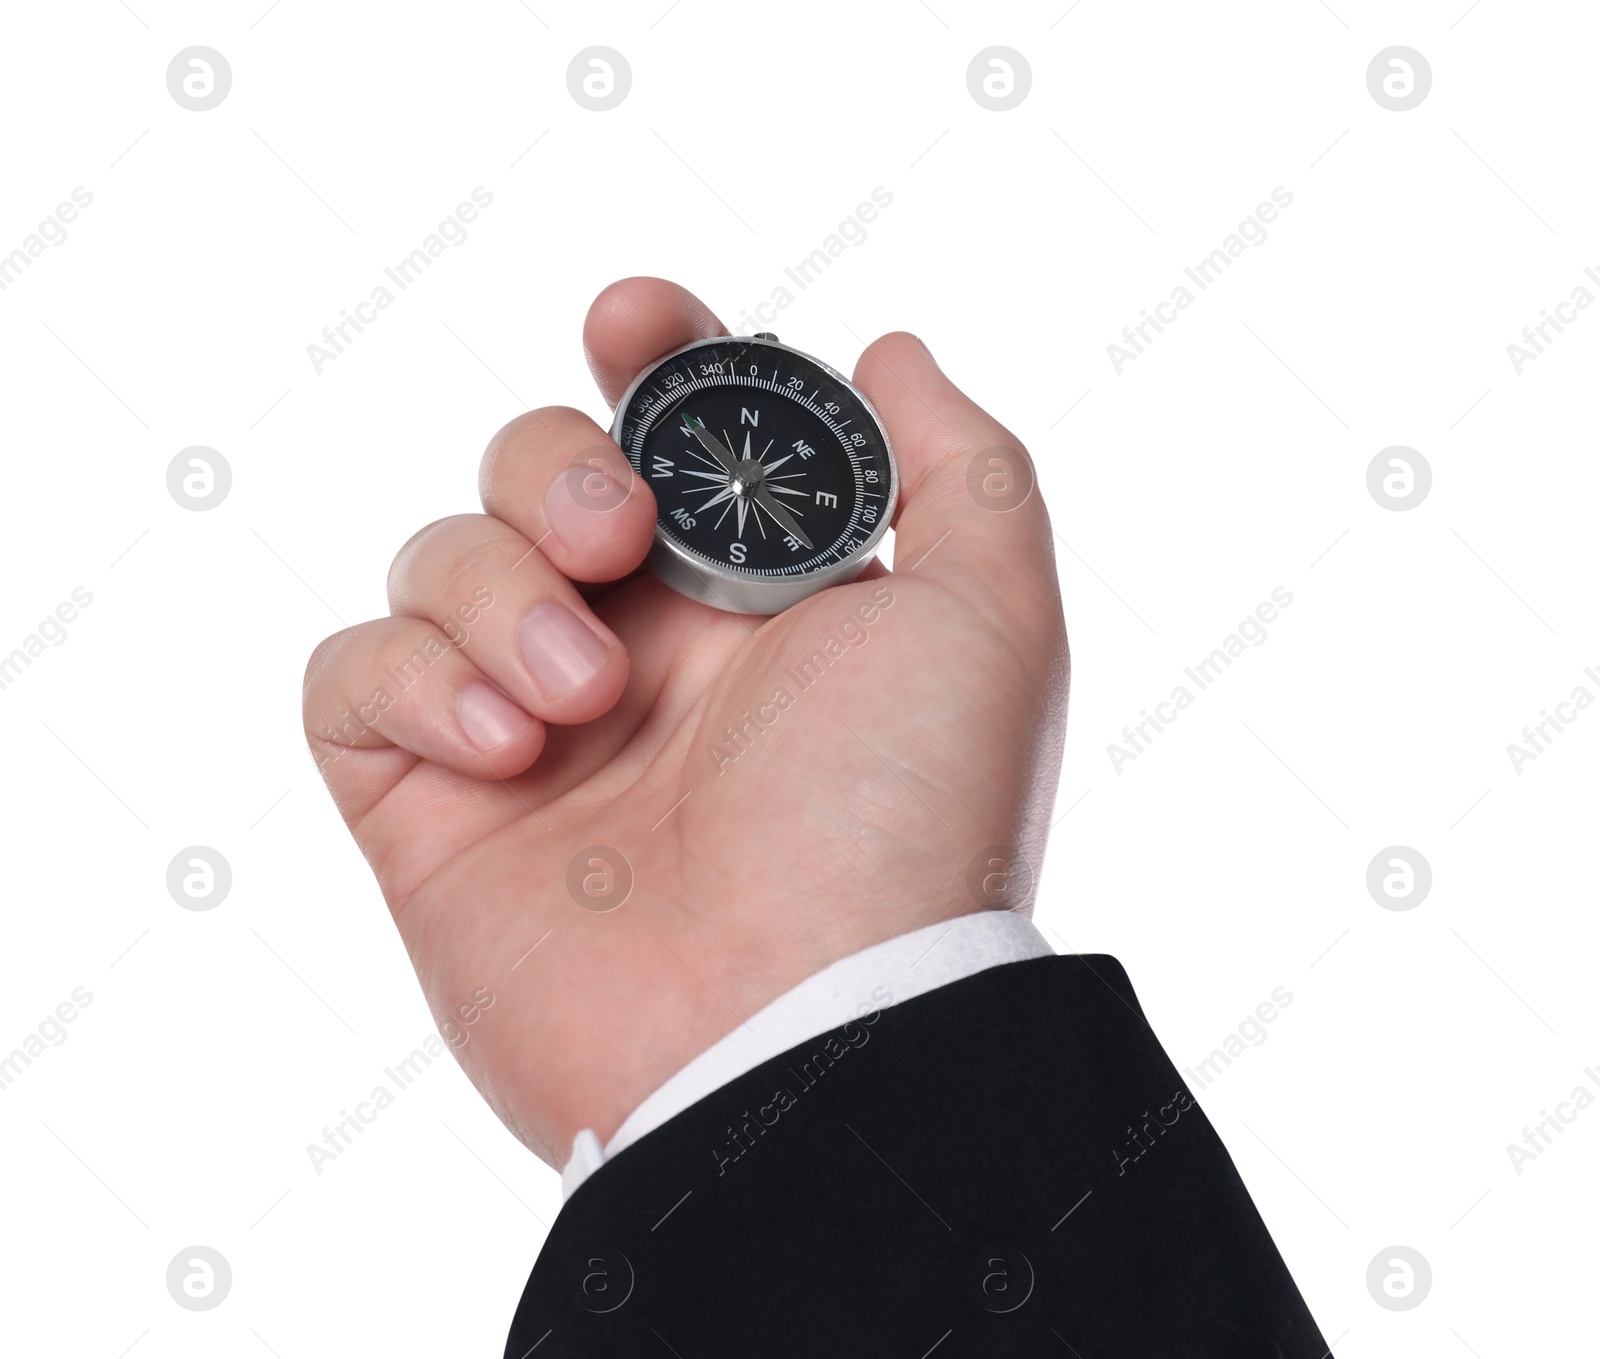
(772, 474)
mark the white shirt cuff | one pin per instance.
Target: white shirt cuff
(873, 979)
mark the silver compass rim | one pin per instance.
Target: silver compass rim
(732, 589)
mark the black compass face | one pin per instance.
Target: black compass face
(763, 462)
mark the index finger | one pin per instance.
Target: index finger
(634, 322)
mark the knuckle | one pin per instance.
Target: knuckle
(319, 666)
(430, 550)
(465, 574)
(528, 436)
(454, 563)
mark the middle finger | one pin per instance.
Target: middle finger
(518, 618)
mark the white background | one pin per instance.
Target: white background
(1230, 458)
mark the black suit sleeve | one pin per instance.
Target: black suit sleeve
(1008, 1165)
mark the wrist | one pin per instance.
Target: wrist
(841, 1000)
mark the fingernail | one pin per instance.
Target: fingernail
(591, 484)
(561, 650)
(488, 717)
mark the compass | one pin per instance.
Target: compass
(773, 475)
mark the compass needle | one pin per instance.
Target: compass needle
(785, 522)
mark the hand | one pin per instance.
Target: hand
(535, 694)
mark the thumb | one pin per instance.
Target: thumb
(970, 512)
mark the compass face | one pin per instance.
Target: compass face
(772, 475)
